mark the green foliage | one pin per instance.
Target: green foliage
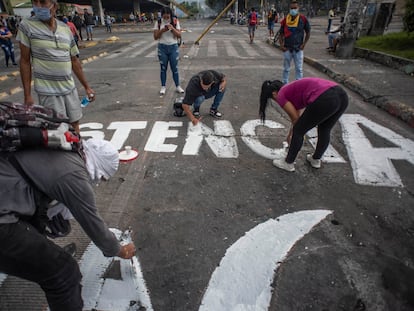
(409, 16)
(191, 8)
(399, 44)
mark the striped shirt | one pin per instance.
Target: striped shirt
(51, 53)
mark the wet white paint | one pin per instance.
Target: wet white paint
(250, 263)
(3, 277)
(221, 141)
(110, 294)
(373, 166)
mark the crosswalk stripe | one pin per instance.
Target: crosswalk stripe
(231, 51)
(141, 50)
(212, 48)
(248, 48)
(193, 50)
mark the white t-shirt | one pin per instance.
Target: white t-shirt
(168, 37)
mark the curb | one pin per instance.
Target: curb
(393, 107)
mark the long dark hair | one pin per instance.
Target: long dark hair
(267, 88)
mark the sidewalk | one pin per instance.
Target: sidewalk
(387, 88)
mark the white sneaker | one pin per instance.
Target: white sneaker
(315, 163)
(163, 90)
(281, 163)
(180, 90)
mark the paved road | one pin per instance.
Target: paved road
(339, 238)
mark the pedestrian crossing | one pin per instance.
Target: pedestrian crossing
(236, 48)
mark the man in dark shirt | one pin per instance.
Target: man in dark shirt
(292, 41)
(202, 86)
(65, 177)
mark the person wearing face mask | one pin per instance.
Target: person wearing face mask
(294, 34)
(167, 31)
(63, 176)
(48, 50)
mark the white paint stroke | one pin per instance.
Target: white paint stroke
(250, 138)
(330, 155)
(160, 132)
(3, 277)
(372, 166)
(109, 294)
(243, 279)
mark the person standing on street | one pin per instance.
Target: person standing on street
(25, 250)
(271, 20)
(252, 23)
(294, 34)
(77, 20)
(202, 86)
(331, 15)
(89, 23)
(7, 44)
(167, 31)
(48, 49)
(309, 102)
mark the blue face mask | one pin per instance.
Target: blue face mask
(293, 12)
(42, 14)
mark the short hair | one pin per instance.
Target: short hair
(295, 2)
(166, 10)
(207, 77)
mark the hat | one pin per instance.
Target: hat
(102, 158)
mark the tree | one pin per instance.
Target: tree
(409, 16)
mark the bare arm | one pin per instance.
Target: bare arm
(189, 114)
(77, 69)
(26, 73)
(293, 115)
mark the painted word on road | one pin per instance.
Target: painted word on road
(371, 165)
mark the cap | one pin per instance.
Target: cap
(102, 158)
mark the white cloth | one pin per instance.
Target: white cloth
(102, 158)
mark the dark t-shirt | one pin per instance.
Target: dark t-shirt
(194, 88)
(62, 176)
(296, 34)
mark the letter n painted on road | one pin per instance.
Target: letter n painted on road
(373, 166)
(222, 141)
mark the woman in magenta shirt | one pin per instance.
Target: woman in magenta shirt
(309, 102)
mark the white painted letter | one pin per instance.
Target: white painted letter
(222, 141)
(373, 166)
(122, 130)
(93, 134)
(251, 139)
(159, 133)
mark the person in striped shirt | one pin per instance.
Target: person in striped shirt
(48, 50)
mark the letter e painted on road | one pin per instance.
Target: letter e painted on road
(161, 131)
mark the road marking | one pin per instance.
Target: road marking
(250, 263)
(330, 155)
(142, 49)
(248, 48)
(212, 48)
(231, 51)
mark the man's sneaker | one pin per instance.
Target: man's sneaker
(281, 163)
(215, 113)
(196, 114)
(180, 90)
(163, 89)
(315, 163)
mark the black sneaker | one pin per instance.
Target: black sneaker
(196, 114)
(215, 113)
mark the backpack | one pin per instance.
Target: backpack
(174, 20)
(23, 126)
(178, 107)
(253, 18)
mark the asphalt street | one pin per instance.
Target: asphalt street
(216, 226)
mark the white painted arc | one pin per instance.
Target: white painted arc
(3, 277)
(249, 263)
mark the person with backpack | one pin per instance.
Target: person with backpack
(64, 176)
(167, 31)
(77, 20)
(294, 34)
(49, 51)
(89, 22)
(309, 102)
(252, 23)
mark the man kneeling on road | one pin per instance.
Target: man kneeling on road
(202, 86)
(62, 176)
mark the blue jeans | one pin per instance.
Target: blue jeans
(8, 49)
(168, 54)
(297, 57)
(27, 254)
(214, 91)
